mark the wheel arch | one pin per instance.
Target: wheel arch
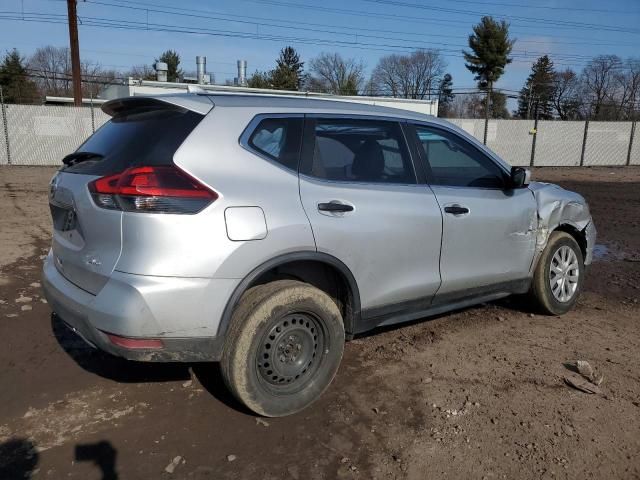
(282, 265)
(578, 235)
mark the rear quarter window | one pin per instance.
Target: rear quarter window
(278, 139)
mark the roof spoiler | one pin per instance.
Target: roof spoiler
(179, 103)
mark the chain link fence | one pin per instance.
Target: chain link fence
(44, 134)
(553, 143)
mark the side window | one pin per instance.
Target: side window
(279, 139)
(455, 162)
(351, 150)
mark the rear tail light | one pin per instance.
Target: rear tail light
(160, 189)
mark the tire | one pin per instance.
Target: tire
(561, 245)
(299, 323)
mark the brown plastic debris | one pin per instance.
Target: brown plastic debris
(587, 371)
(582, 385)
(588, 382)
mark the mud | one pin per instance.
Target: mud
(474, 394)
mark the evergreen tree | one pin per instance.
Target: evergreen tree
(445, 95)
(172, 59)
(538, 91)
(490, 48)
(259, 80)
(17, 87)
(498, 108)
(288, 72)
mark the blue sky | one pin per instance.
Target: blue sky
(570, 31)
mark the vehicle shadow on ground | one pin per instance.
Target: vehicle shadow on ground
(127, 371)
(111, 367)
(18, 458)
(210, 377)
(515, 303)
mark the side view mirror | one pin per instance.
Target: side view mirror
(520, 177)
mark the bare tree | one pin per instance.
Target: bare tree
(598, 81)
(566, 90)
(51, 69)
(627, 89)
(467, 106)
(330, 73)
(416, 75)
(142, 72)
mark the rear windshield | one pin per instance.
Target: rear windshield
(147, 137)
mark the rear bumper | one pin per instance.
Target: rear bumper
(183, 313)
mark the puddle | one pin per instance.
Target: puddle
(608, 252)
(600, 251)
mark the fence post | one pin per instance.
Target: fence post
(633, 131)
(5, 126)
(486, 112)
(535, 135)
(93, 118)
(584, 141)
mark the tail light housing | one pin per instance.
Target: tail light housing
(152, 189)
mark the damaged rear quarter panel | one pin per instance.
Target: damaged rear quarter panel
(556, 207)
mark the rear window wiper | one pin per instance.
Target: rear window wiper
(78, 157)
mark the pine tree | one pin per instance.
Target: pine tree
(490, 48)
(288, 72)
(498, 108)
(537, 94)
(17, 87)
(445, 95)
(259, 80)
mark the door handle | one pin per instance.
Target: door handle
(335, 207)
(456, 210)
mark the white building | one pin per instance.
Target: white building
(134, 87)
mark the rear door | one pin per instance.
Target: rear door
(488, 237)
(87, 239)
(366, 208)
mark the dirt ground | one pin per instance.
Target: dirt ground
(474, 394)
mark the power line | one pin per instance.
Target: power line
(128, 25)
(132, 25)
(545, 7)
(350, 33)
(407, 18)
(120, 23)
(547, 21)
(350, 29)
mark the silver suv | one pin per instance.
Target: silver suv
(262, 231)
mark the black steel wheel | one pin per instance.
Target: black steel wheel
(291, 351)
(283, 347)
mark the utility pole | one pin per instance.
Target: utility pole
(75, 52)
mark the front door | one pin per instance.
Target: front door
(488, 237)
(366, 208)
